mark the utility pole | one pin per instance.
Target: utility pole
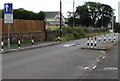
(73, 13)
(113, 20)
(60, 18)
(102, 16)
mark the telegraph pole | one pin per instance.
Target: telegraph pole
(102, 16)
(60, 18)
(73, 13)
(113, 20)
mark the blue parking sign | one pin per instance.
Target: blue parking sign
(8, 8)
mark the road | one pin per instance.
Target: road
(108, 67)
(63, 61)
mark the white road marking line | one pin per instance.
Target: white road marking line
(94, 67)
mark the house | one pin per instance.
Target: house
(53, 18)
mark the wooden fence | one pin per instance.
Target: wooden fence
(23, 29)
(23, 26)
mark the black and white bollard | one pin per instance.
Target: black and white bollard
(114, 38)
(104, 37)
(95, 42)
(109, 37)
(91, 42)
(99, 39)
(59, 39)
(32, 42)
(2, 44)
(19, 43)
(88, 42)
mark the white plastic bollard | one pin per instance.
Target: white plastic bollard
(59, 39)
(33, 42)
(2, 44)
(104, 38)
(88, 42)
(19, 43)
(95, 42)
(91, 42)
(109, 37)
(114, 38)
(99, 39)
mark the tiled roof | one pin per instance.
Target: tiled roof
(51, 14)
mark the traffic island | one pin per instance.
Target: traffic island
(104, 46)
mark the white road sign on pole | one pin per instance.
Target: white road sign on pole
(8, 13)
(8, 18)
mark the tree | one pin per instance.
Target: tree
(94, 14)
(83, 15)
(25, 14)
(70, 21)
(1, 13)
(106, 13)
(41, 15)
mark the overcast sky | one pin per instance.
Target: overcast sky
(53, 5)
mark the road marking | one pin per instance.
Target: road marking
(69, 45)
(103, 57)
(86, 68)
(94, 67)
(110, 68)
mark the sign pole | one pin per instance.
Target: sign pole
(8, 36)
(8, 19)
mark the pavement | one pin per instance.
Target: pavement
(28, 47)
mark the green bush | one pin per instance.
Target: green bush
(73, 33)
(70, 33)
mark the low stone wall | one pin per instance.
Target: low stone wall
(38, 36)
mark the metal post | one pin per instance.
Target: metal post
(8, 36)
(60, 18)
